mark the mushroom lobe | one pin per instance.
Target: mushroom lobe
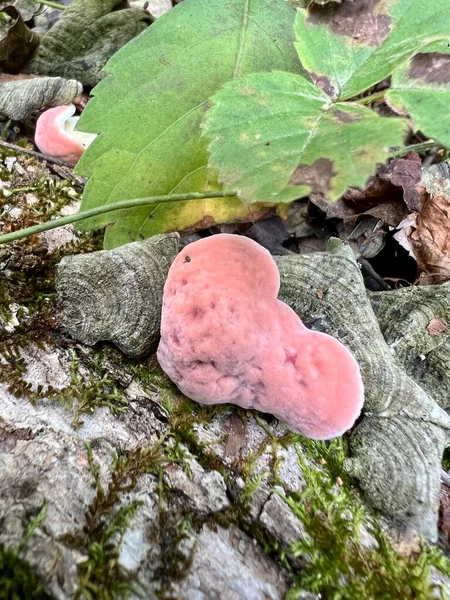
(225, 337)
(56, 137)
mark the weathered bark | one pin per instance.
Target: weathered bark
(397, 448)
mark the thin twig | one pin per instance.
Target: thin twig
(365, 264)
(55, 161)
(67, 173)
(100, 210)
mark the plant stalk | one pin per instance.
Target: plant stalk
(51, 4)
(39, 155)
(372, 98)
(414, 148)
(100, 210)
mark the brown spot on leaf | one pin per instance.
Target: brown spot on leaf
(345, 117)
(258, 212)
(324, 84)
(432, 68)
(358, 20)
(436, 326)
(318, 175)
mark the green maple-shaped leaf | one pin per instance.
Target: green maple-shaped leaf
(421, 87)
(149, 109)
(349, 47)
(276, 137)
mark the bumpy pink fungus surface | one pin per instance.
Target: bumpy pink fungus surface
(55, 135)
(225, 337)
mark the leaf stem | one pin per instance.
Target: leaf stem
(372, 98)
(51, 4)
(100, 210)
(413, 148)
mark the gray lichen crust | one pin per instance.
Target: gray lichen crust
(415, 323)
(20, 98)
(116, 295)
(397, 447)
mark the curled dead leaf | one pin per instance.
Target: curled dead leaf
(431, 240)
(19, 44)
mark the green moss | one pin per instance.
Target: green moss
(175, 562)
(106, 520)
(340, 567)
(87, 394)
(184, 414)
(337, 565)
(100, 575)
(29, 282)
(446, 459)
(27, 279)
(17, 580)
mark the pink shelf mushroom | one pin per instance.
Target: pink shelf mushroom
(55, 135)
(225, 337)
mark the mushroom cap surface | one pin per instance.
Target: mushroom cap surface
(225, 337)
(55, 135)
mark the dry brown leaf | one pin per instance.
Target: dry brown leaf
(387, 196)
(406, 173)
(431, 240)
(395, 181)
(19, 44)
(404, 231)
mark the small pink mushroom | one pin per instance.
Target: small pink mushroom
(55, 135)
(225, 337)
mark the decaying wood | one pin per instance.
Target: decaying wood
(397, 448)
(116, 295)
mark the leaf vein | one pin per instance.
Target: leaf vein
(242, 40)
